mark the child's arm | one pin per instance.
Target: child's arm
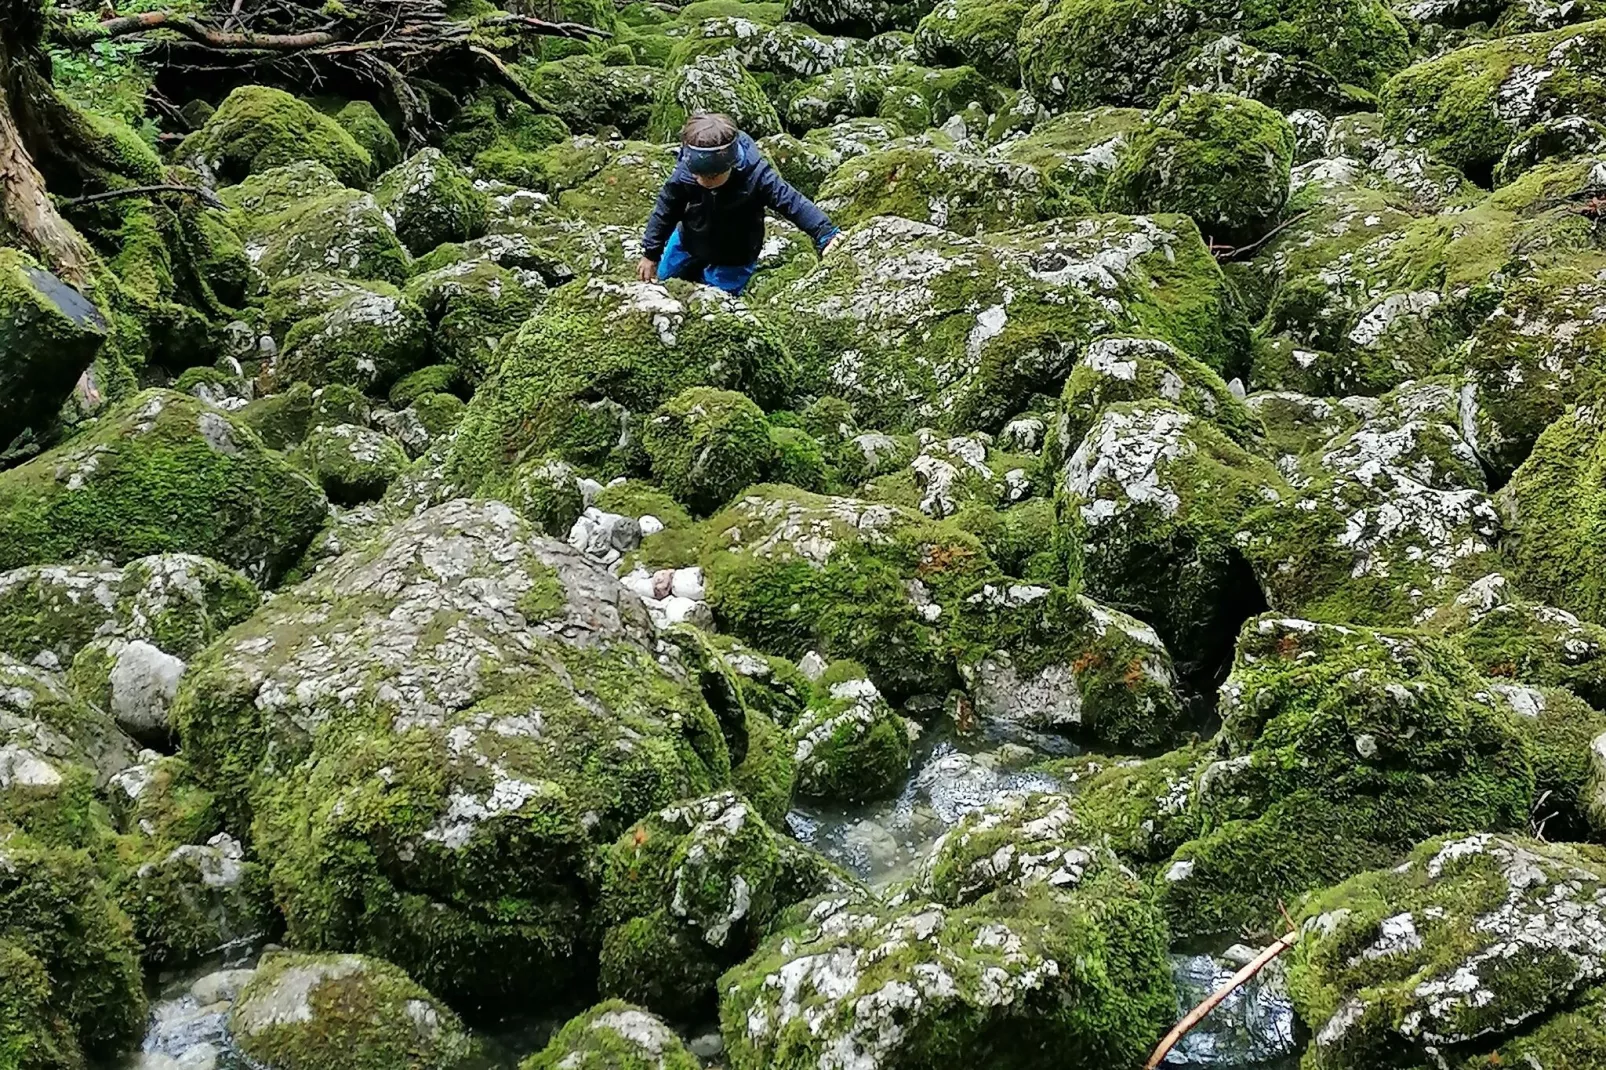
(666, 215)
(797, 209)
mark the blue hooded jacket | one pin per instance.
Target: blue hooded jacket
(726, 225)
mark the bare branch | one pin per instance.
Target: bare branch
(1236, 981)
(206, 195)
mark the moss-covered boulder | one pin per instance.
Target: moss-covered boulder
(1151, 504)
(706, 446)
(917, 326)
(1081, 972)
(369, 129)
(1221, 159)
(973, 33)
(789, 572)
(1470, 104)
(614, 1036)
(914, 97)
(960, 192)
(1077, 53)
(187, 901)
(1470, 941)
(1389, 520)
(258, 127)
(599, 350)
(352, 464)
(1538, 351)
(56, 750)
(365, 335)
(75, 997)
(1015, 842)
(850, 745)
(686, 894)
(1508, 636)
(785, 50)
(712, 83)
(1340, 748)
(502, 138)
(49, 333)
(1286, 83)
(1553, 506)
(163, 473)
(431, 201)
(434, 732)
(317, 1012)
(470, 306)
(1566, 138)
(1039, 659)
(1077, 151)
(1113, 370)
(343, 233)
(857, 18)
(179, 602)
(284, 419)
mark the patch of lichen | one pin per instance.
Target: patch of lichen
(164, 472)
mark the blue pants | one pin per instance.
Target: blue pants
(677, 263)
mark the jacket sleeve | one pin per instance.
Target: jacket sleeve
(665, 217)
(795, 208)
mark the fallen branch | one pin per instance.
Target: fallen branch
(1228, 252)
(1236, 981)
(127, 25)
(205, 195)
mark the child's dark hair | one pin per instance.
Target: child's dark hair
(710, 130)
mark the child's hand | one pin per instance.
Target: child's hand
(646, 270)
(835, 238)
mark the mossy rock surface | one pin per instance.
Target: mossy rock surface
(352, 464)
(712, 83)
(431, 201)
(437, 820)
(258, 127)
(1101, 1003)
(76, 991)
(614, 1035)
(598, 350)
(49, 333)
(1554, 502)
(1471, 938)
(311, 1012)
(963, 193)
(706, 446)
(336, 331)
(162, 473)
(370, 130)
(974, 33)
(849, 744)
(1220, 158)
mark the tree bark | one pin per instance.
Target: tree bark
(28, 219)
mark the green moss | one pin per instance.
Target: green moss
(31, 1036)
(1451, 105)
(257, 128)
(164, 472)
(184, 906)
(55, 912)
(851, 746)
(589, 94)
(350, 1012)
(771, 584)
(637, 498)
(502, 138)
(1106, 676)
(435, 379)
(471, 306)
(283, 420)
(1221, 159)
(369, 129)
(614, 1036)
(963, 193)
(351, 463)
(439, 413)
(341, 233)
(1076, 53)
(1174, 558)
(545, 492)
(799, 460)
(1076, 152)
(1107, 1000)
(597, 345)
(1554, 505)
(47, 343)
(431, 202)
(767, 776)
(708, 445)
(974, 33)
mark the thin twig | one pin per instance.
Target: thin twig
(1197, 1015)
(126, 25)
(206, 195)
(1230, 253)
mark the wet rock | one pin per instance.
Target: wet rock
(850, 745)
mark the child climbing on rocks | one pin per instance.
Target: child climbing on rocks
(708, 224)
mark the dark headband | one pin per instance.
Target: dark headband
(710, 161)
